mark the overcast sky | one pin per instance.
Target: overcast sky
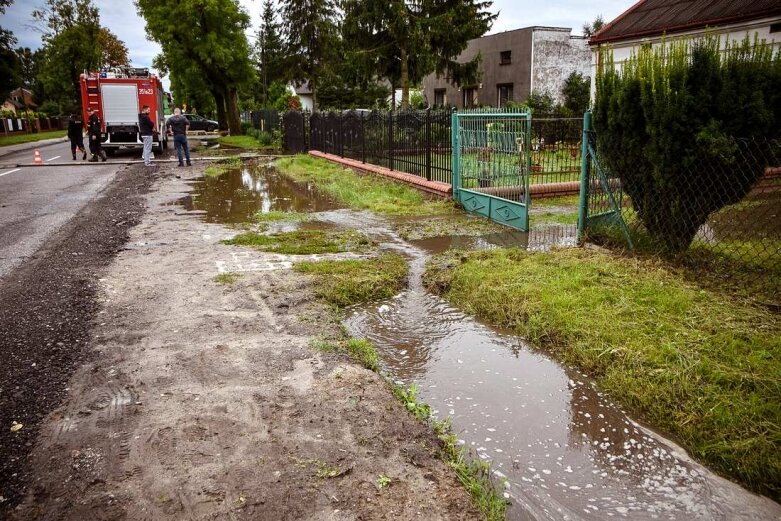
(121, 18)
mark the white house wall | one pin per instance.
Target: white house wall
(555, 56)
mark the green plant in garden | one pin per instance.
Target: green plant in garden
(685, 126)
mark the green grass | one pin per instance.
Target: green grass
(446, 226)
(302, 242)
(227, 278)
(565, 200)
(361, 192)
(342, 283)
(278, 216)
(360, 350)
(222, 166)
(245, 142)
(698, 364)
(17, 139)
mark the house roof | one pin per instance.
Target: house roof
(657, 17)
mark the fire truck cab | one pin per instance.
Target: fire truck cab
(117, 96)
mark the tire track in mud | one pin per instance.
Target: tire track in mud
(47, 308)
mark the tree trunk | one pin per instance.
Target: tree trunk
(219, 100)
(234, 121)
(404, 80)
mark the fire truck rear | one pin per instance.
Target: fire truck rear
(117, 96)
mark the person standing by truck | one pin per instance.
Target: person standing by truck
(93, 131)
(76, 136)
(146, 129)
(178, 125)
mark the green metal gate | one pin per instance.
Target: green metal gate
(491, 165)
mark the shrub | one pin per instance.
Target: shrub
(667, 126)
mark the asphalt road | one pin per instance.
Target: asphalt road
(37, 201)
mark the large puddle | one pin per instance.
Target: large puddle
(565, 450)
(236, 196)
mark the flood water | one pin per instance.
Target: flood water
(236, 196)
(565, 450)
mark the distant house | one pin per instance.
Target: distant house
(514, 64)
(304, 93)
(19, 100)
(648, 22)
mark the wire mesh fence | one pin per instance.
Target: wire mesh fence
(715, 209)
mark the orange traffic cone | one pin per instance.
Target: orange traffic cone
(38, 159)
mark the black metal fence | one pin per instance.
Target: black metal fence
(23, 125)
(267, 120)
(412, 141)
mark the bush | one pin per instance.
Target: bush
(246, 127)
(667, 126)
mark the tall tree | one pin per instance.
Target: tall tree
(590, 29)
(207, 36)
(403, 40)
(270, 53)
(74, 42)
(9, 66)
(577, 93)
(312, 31)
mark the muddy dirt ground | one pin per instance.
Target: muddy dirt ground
(200, 400)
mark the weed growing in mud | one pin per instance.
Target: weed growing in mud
(361, 192)
(699, 364)
(383, 481)
(359, 349)
(227, 278)
(303, 242)
(347, 282)
(409, 397)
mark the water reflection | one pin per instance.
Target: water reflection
(237, 195)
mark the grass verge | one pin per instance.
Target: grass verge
(18, 139)
(302, 242)
(223, 166)
(361, 192)
(695, 363)
(245, 142)
(277, 216)
(346, 282)
(444, 226)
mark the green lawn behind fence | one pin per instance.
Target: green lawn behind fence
(17, 139)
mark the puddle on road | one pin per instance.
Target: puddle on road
(566, 450)
(236, 196)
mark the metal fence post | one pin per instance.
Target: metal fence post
(390, 139)
(456, 160)
(363, 137)
(428, 144)
(340, 142)
(585, 169)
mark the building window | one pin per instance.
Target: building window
(775, 28)
(439, 97)
(470, 97)
(504, 94)
(505, 57)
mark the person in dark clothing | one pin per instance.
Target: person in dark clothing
(76, 136)
(93, 131)
(178, 125)
(146, 129)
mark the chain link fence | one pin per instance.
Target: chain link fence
(718, 211)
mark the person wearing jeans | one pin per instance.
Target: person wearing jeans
(178, 125)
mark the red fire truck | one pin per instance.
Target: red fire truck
(117, 96)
